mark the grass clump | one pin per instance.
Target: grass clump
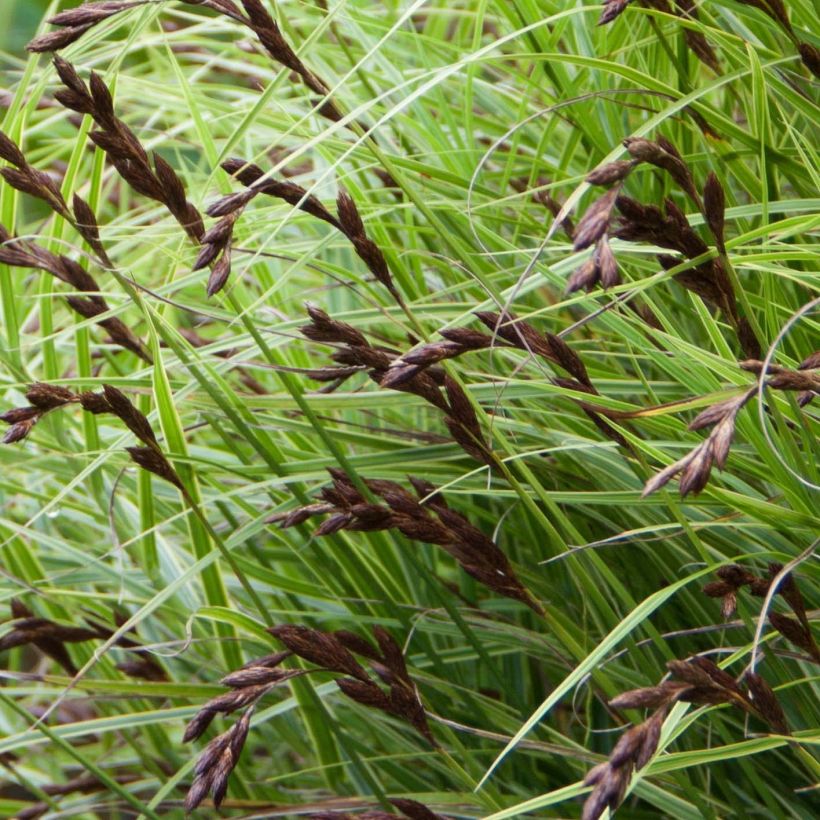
(521, 309)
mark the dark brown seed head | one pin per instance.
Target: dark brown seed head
(86, 220)
(792, 630)
(18, 414)
(414, 810)
(259, 675)
(713, 414)
(606, 264)
(321, 648)
(611, 10)
(94, 403)
(56, 40)
(349, 215)
(611, 173)
(48, 396)
(714, 204)
(103, 101)
(717, 589)
(19, 430)
(152, 460)
(644, 150)
(648, 698)
(355, 643)
(650, 738)
(69, 76)
(584, 277)
(325, 329)
(93, 12)
(695, 475)
(736, 575)
(231, 204)
(121, 406)
(765, 703)
(810, 56)
(662, 478)
(595, 222)
(220, 273)
(10, 152)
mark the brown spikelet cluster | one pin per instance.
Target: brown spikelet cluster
(44, 398)
(328, 652)
(253, 178)
(26, 254)
(432, 522)
(797, 630)
(592, 229)
(47, 636)
(348, 220)
(805, 380)
(698, 43)
(149, 456)
(334, 652)
(217, 241)
(698, 681)
(776, 9)
(695, 467)
(701, 682)
(696, 40)
(73, 23)
(356, 353)
(610, 780)
(28, 180)
(274, 42)
(51, 638)
(410, 809)
(506, 330)
(509, 330)
(367, 250)
(667, 228)
(612, 9)
(152, 177)
(215, 765)
(248, 686)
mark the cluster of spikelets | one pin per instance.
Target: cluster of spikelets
(698, 43)
(51, 637)
(701, 682)
(666, 228)
(330, 652)
(391, 507)
(46, 398)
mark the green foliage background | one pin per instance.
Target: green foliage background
(84, 533)
(20, 20)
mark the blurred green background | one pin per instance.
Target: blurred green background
(19, 22)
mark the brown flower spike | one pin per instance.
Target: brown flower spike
(697, 680)
(432, 522)
(45, 398)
